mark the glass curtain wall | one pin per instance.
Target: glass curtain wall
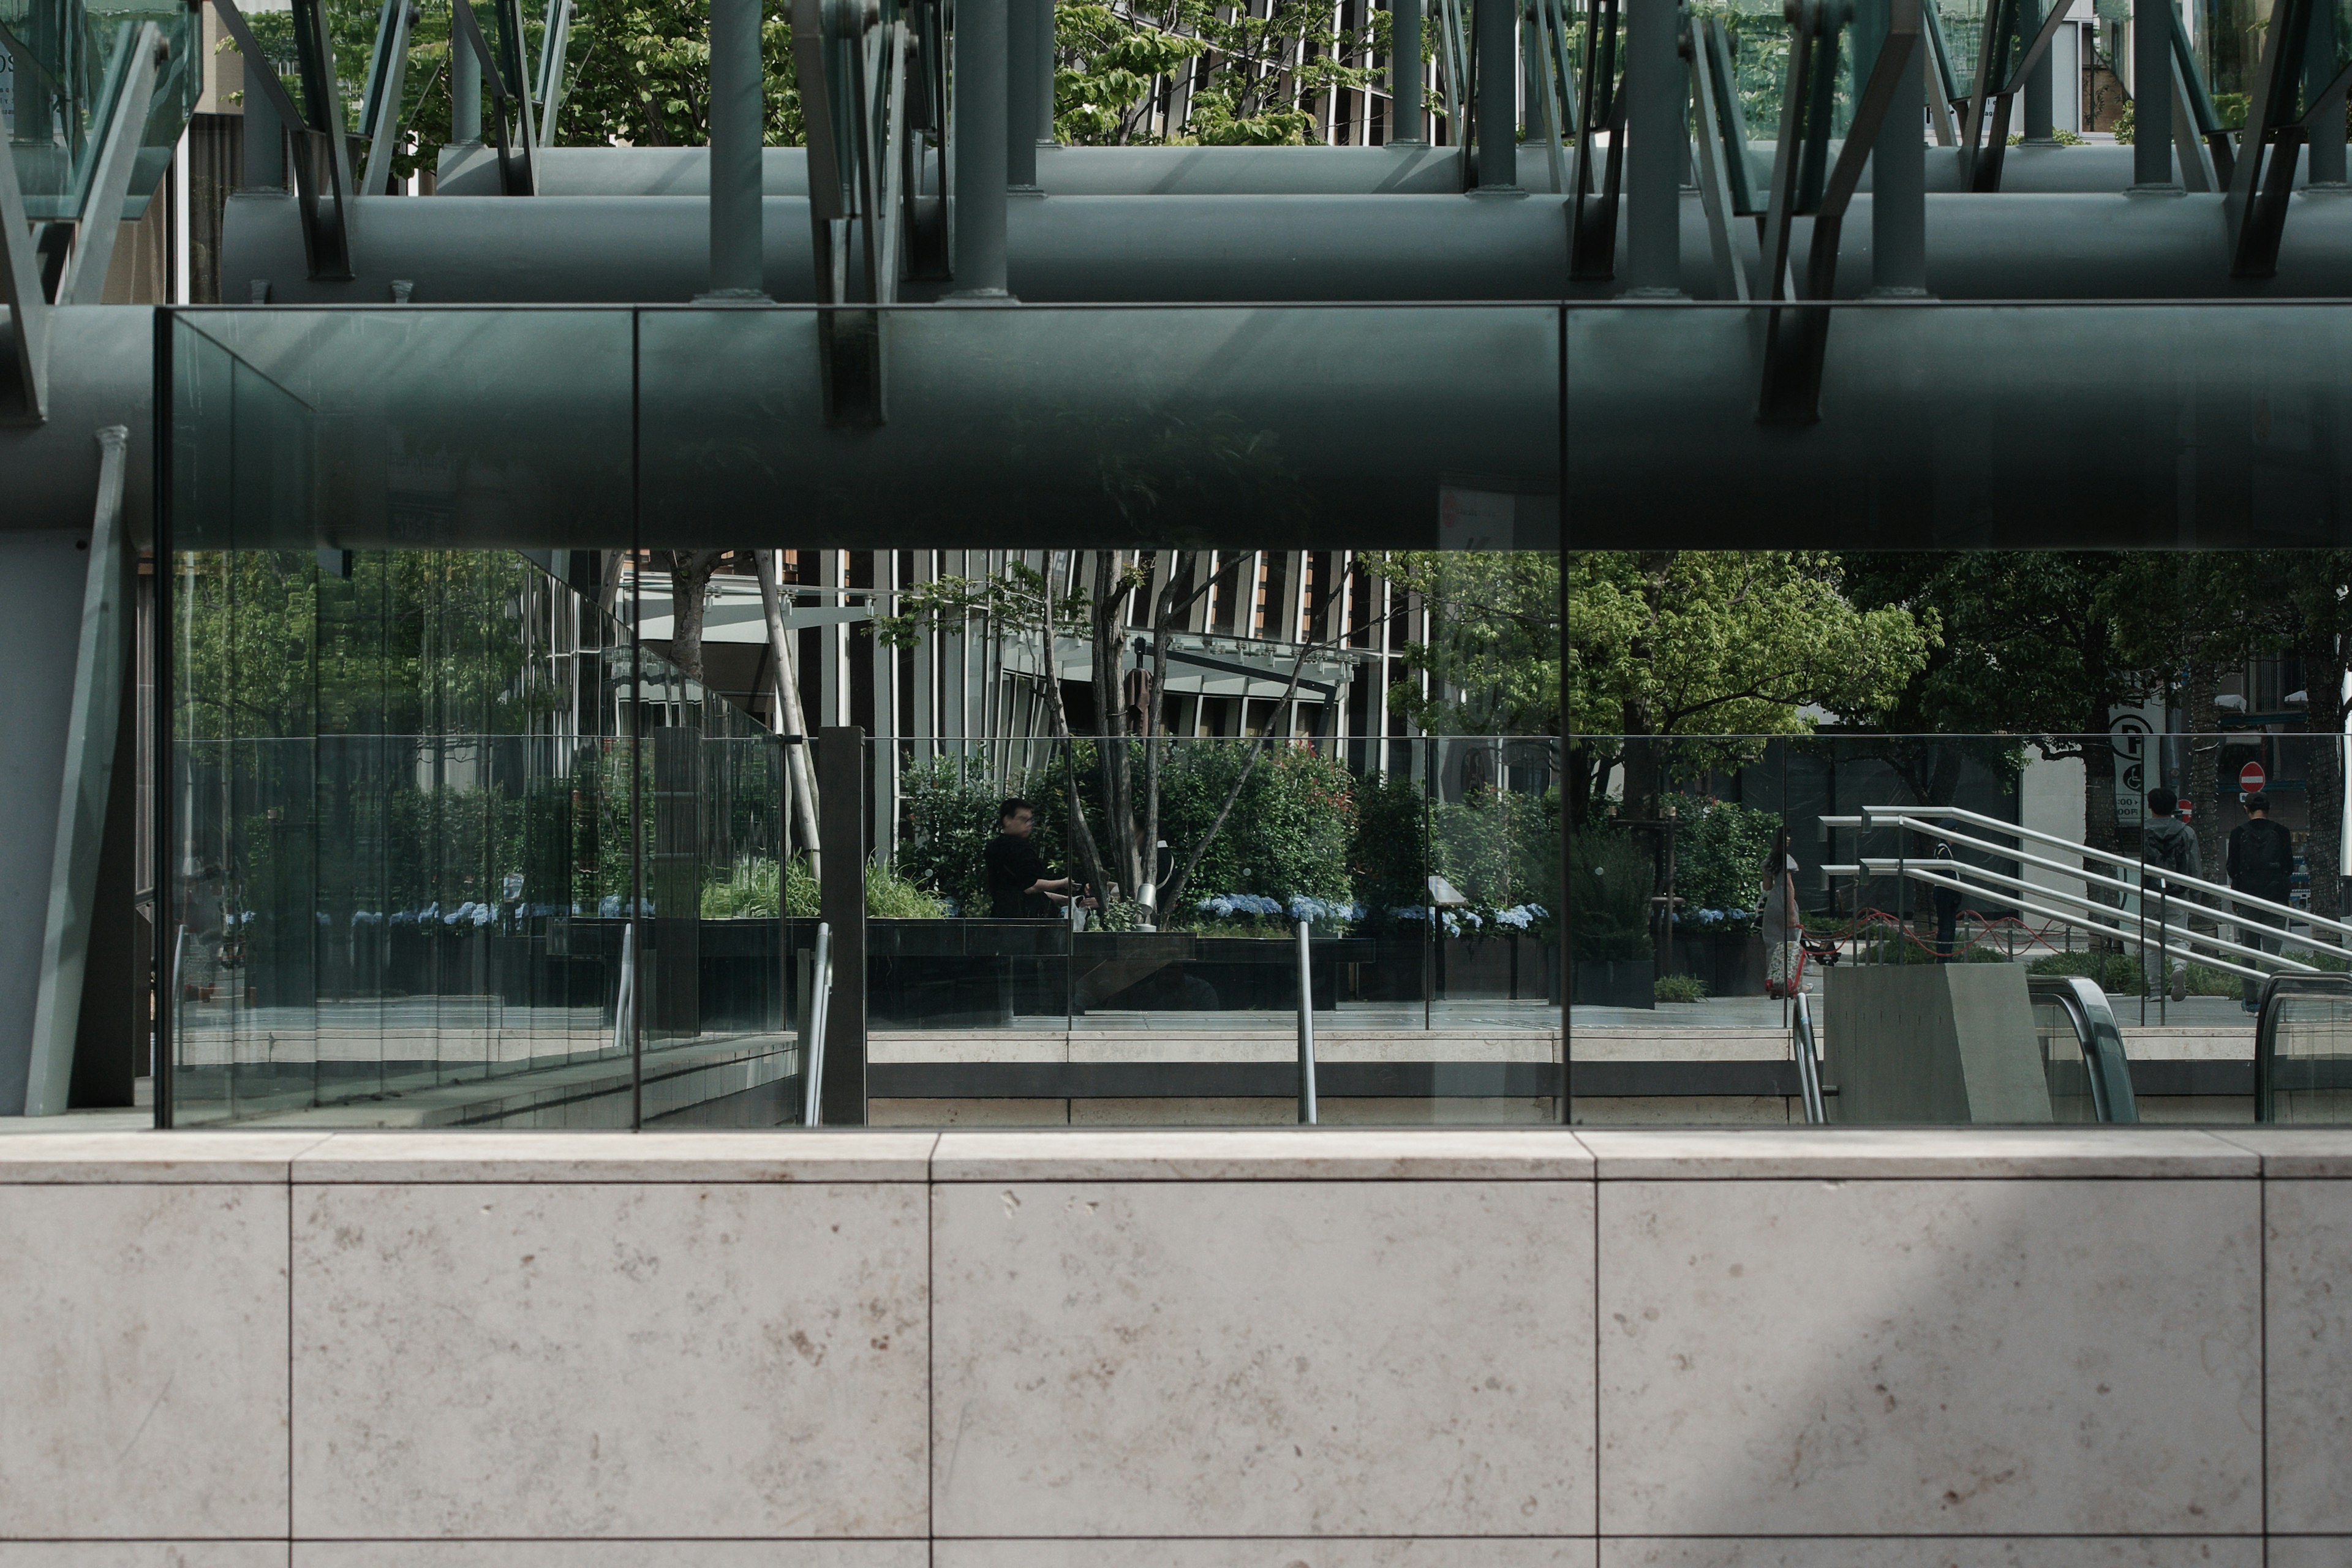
(445, 845)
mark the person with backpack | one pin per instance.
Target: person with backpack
(2167, 845)
(2262, 865)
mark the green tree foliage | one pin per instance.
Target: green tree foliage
(636, 72)
(1491, 656)
(1255, 80)
(1668, 644)
(1720, 848)
(2030, 646)
(640, 75)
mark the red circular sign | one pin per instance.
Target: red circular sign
(2250, 777)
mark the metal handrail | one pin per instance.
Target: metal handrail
(2274, 992)
(2101, 1038)
(2105, 918)
(1902, 816)
(1306, 1109)
(1809, 1062)
(813, 1036)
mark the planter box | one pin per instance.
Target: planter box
(1729, 964)
(1616, 982)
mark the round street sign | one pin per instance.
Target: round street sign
(2250, 778)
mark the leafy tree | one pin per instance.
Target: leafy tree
(1493, 654)
(1665, 644)
(2030, 647)
(640, 75)
(1254, 80)
(636, 72)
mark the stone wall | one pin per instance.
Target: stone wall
(2128, 1348)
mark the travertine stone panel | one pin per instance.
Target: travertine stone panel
(1458, 1552)
(611, 1554)
(142, 1361)
(2044, 1552)
(1969, 1357)
(2311, 1356)
(2310, 1552)
(1263, 1358)
(143, 1554)
(584, 1359)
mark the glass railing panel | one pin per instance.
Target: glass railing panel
(2305, 1074)
(1924, 880)
(64, 65)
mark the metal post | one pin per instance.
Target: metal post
(265, 140)
(2326, 154)
(2152, 97)
(1498, 108)
(625, 999)
(1404, 71)
(1656, 149)
(465, 94)
(1898, 172)
(979, 107)
(1047, 44)
(1306, 1114)
(817, 1000)
(737, 129)
(2038, 96)
(841, 898)
(1021, 94)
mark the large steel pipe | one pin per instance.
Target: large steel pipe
(1274, 428)
(101, 372)
(1415, 170)
(1212, 248)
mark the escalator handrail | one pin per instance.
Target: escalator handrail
(2100, 1038)
(2275, 990)
(1809, 1062)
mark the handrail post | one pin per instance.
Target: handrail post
(625, 999)
(820, 999)
(1306, 1109)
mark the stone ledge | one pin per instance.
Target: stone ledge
(1835, 1153)
(1082, 1154)
(1269, 1155)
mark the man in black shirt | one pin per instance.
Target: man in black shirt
(2262, 863)
(1019, 885)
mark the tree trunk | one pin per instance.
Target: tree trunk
(2324, 713)
(689, 592)
(1109, 666)
(1081, 831)
(2203, 718)
(790, 721)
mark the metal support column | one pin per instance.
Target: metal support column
(737, 129)
(2324, 98)
(841, 902)
(100, 662)
(1898, 167)
(979, 99)
(2038, 95)
(2152, 97)
(1404, 71)
(1657, 148)
(465, 94)
(1498, 108)
(1023, 95)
